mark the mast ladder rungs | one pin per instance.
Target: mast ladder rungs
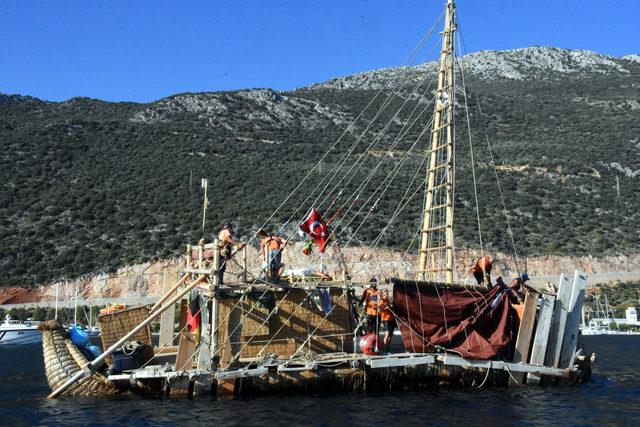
(439, 128)
(439, 147)
(433, 208)
(440, 166)
(439, 186)
(440, 227)
(437, 248)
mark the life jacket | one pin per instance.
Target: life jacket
(372, 299)
(385, 309)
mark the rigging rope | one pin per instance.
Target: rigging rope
(473, 167)
(495, 169)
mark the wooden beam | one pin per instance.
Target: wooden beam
(523, 341)
(559, 321)
(542, 336)
(167, 318)
(570, 339)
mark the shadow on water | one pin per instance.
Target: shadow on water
(612, 397)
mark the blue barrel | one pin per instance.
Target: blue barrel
(78, 336)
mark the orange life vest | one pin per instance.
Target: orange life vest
(483, 264)
(372, 297)
(385, 309)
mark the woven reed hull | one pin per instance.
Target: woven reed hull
(62, 360)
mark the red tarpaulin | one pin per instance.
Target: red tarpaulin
(474, 324)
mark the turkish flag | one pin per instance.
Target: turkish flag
(315, 227)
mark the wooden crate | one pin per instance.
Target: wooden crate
(116, 325)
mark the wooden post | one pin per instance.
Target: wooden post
(570, 339)
(90, 367)
(244, 264)
(558, 322)
(200, 253)
(523, 342)
(188, 257)
(542, 336)
(215, 303)
(167, 318)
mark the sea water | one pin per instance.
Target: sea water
(612, 397)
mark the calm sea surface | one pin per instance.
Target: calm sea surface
(611, 398)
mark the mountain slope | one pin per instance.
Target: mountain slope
(89, 185)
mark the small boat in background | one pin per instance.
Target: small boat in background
(16, 332)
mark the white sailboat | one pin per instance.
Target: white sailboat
(15, 332)
(609, 325)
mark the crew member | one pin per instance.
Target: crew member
(274, 246)
(370, 298)
(227, 243)
(388, 320)
(519, 283)
(482, 270)
(514, 296)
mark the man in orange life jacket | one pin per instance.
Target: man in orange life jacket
(274, 245)
(482, 270)
(370, 299)
(386, 315)
(227, 242)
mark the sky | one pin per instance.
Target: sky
(135, 50)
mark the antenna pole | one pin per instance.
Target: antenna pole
(437, 247)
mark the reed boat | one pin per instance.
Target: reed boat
(300, 333)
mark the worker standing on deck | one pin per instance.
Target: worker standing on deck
(274, 246)
(227, 243)
(370, 299)
(482, 270)
(387, 318)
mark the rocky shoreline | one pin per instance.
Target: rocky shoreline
(145, 280)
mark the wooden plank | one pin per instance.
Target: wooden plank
(541, 337)
(523, 342)
(570, 339)
(559, 321)
(186, 350)
(204, 352)
(522, 368)
(167, 318)
(390, 361)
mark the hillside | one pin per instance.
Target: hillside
(90, 186)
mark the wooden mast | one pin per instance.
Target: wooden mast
(436, 247)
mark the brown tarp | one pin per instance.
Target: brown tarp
(475, 324)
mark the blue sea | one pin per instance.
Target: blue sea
(612, 397)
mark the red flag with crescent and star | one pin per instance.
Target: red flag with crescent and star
(315, 227)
